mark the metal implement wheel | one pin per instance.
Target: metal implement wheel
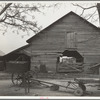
(16, 79)
(78, 92)
(54, 88)
(83, 87)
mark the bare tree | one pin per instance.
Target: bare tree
(98, 8)
(20, 16)
(93, 14)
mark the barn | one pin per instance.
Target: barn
(69, 35)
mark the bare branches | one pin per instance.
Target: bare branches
(3, 19)
(92, 15)
(83, 8)
(17, 15)
(90, 12)
(22, 16)
(5, 8)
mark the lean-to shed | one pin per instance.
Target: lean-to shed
(71, 32)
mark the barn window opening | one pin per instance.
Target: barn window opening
(69, 61)
(74, 54)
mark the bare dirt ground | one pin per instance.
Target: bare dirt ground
(8, 89)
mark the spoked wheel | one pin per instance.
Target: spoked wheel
(83, 87)
(16, 79)
(78, 92)
(54, 88)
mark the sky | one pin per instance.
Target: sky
(11, 41)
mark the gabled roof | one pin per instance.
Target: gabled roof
(17, 50)
(29, 40)
(2, 53)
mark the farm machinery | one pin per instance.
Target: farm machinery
(22, 75)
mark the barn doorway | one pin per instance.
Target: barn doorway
(75, 54)
(17, 57)
(70, 61)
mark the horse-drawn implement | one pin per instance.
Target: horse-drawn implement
(19, 68)
(22, 75)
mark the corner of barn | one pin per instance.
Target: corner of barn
(71, 36)
(67, 38)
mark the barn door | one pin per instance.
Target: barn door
(70, 40)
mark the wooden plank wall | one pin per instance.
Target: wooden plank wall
(53, 39)
(89, 44)
(48, 59)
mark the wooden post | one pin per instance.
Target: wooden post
(99, 79)
(24, 83)
(99, 71)
(28, 85)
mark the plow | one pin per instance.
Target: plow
(25, 77)
(22, 75)
(76, 85)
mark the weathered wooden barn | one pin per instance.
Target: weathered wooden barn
(69, 33)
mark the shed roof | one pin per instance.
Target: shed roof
(2, 53)
(17, 50)
(29, 40)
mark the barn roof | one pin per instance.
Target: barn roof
(2, 53)
(29, 40)
(17, 50)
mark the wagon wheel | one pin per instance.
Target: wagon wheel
(54, 88)
(82, 86)
(16, 79)
(78, 92)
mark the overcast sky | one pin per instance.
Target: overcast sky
(11, 41)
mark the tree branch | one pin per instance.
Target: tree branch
(12, 24)
(84, 7)
(91, 15)
(2, 20)
(4, 9)
(21, 15)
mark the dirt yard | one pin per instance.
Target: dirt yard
(8, 89)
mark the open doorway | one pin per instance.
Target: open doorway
(18, 57)
(75, 54)
(70, 61)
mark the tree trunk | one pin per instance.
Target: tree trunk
(98, 9)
